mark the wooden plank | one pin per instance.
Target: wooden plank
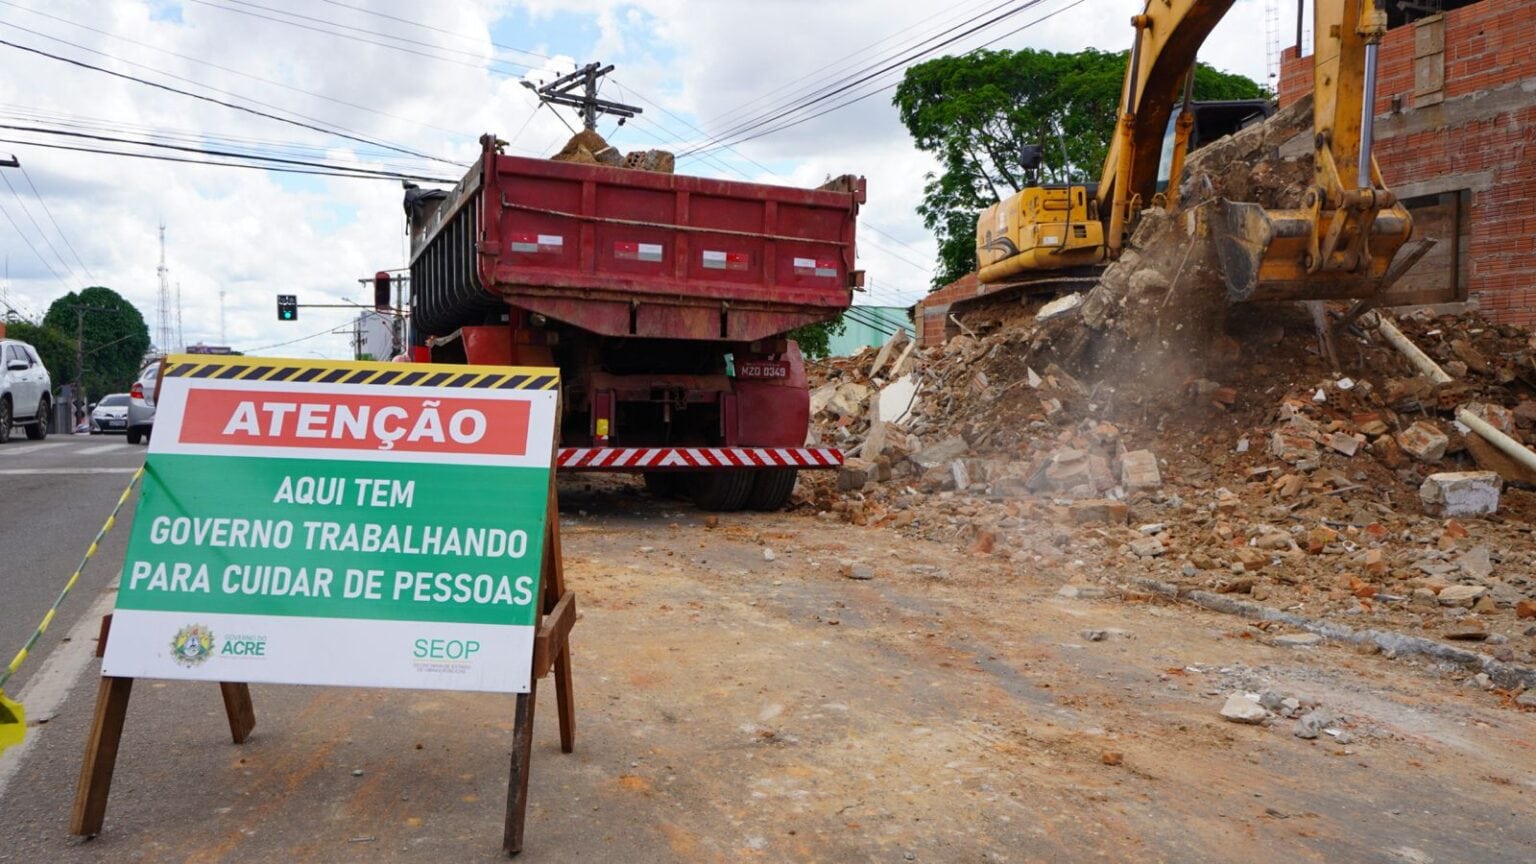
(517, 779)
(565, 699)
(95, 784)
(550, 642)
(239, 710)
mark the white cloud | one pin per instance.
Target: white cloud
(255, 235)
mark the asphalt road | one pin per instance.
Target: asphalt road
(54, 496)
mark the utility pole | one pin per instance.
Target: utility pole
(561, 91)
(79, 387)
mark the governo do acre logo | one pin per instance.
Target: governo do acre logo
(192, 645)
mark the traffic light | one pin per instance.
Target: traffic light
(381, 291)
(287, 307)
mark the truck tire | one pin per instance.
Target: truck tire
(37, 430)
(721, 491)
(771, 488)
(664, 484)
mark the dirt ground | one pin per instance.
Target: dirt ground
(742, 698)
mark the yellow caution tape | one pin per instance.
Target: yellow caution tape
(13, 718)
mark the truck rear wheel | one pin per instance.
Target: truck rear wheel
(771, 488)
(664, 484)
(721, 490)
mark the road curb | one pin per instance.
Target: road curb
(1392, 643)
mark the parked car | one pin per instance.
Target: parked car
(26, 390)
(110, 414)
(141, 402)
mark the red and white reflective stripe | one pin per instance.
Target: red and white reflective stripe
(641, 458)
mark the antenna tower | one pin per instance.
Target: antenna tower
(163, 332)
(1272, 42)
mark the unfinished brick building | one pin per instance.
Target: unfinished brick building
(1456, 121)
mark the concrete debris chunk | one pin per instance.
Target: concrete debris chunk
(1147, 547)
(1298, 640)
(1095, 511)
(942, 453)
(1461, 595)
(1461, 493)
(1138, 470)
(1240, 709)
(961, 474)
(1060, 306)
(1424, 441)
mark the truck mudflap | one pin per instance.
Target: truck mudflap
(693, 458)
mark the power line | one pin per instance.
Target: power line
(835, 64)
(863, 75)
(846, 103)
(26, 240)
(258, 145)
(479, 66)
(336, 172)
(387, 175)
(62, 235)
(166, 87)
(212, 65)
(376, 14)
(68, 271)
(331, 330)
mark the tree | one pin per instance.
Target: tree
(816, 339)
(977, 112)
(115, 337)
(57, 349)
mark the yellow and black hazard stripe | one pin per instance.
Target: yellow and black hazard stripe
(362, 372)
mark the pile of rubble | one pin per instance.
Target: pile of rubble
(1358, 496)
(591, 148)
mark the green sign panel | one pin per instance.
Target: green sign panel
(362, 524)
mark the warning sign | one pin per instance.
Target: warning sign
(358, 524)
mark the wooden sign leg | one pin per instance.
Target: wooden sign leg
(90, 809)
(239, 710)
(517, 781)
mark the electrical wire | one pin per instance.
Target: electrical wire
(166, 87)
(354, 169)
(341, 172)
(846, 103)
(257, 146)
(69, 271)
(331, 330)
(840, 64)
(212, 65)
(28, 241)
(494, 43)
(864, 75)
(62, 236)
(478, 66)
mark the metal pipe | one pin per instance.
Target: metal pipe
(1368, 116)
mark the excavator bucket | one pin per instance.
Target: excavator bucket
(1264, 254)
(13, 722)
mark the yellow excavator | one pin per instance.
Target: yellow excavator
(1338, 245)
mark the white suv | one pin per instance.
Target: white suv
(26, 390)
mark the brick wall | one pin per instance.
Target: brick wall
(933, 311)
(1475, 133)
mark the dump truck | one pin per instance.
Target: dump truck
(665, 301)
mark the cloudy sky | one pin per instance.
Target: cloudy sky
(418, 83)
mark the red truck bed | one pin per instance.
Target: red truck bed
(623, 252)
